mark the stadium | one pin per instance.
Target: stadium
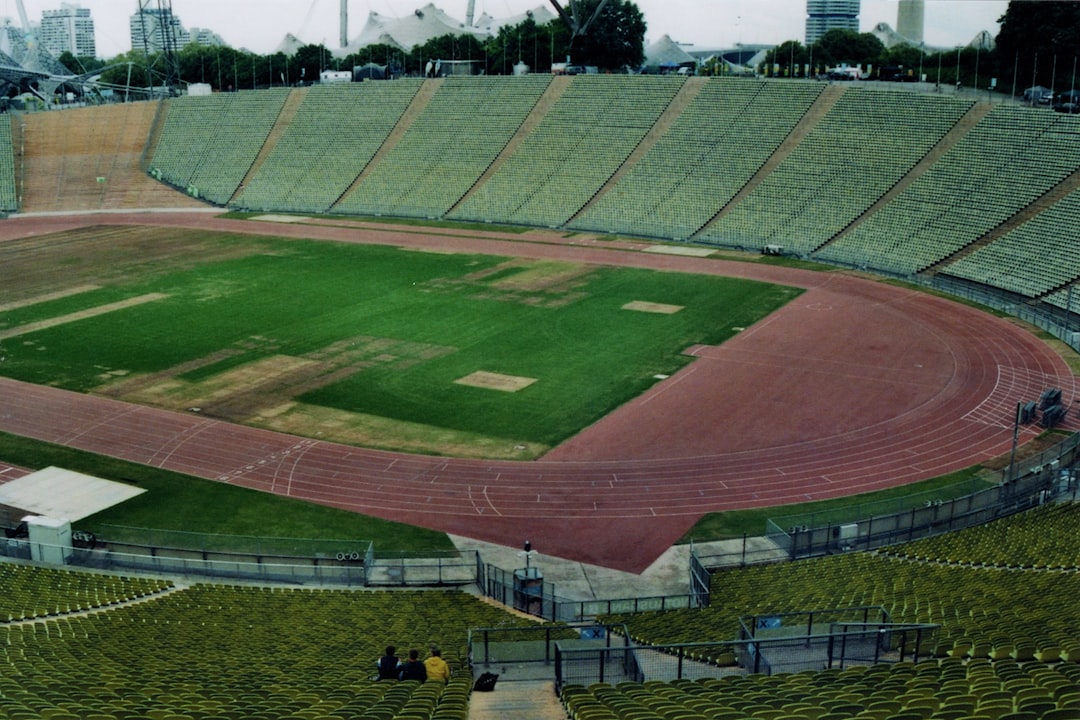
(848, 384)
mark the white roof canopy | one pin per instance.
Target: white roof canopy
(64, 494)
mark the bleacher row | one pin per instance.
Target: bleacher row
(448, 147)
(573, 151)
(333, 136)
(813, 203)
(716, 144)
(209, 143)
(9, 196)
(866, 143)
(996, 170)
(217, 652)
(1009, 647)
(993, 598)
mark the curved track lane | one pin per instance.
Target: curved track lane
(855, 386)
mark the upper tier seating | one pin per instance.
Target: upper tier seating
(711, 150)
(576, 148)
(866, 143)
(208, 143)
(447, 148)
(1009, 159)
(331, 139)
(1031, 260)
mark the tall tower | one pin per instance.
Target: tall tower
(825, 15)
(909, 20)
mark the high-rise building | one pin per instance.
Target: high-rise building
(152, 28)
(68, 29)
(910, 20)
(825, 15)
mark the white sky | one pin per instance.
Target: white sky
(259, 25)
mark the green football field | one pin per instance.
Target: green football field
(441, 353)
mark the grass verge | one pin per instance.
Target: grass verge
(179, 502)
(727, 525)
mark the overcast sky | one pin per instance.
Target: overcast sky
(259, 25)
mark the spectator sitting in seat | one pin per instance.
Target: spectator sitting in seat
(437, 669)
(388, 664)
(413, 669)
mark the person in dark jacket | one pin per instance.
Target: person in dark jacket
(413, 668)
(388, 664)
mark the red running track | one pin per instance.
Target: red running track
(855, 386)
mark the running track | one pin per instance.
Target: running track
(854, 386)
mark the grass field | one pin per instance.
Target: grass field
(370, 345)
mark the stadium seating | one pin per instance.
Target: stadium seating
(219, 651)
(1008, 596)
(866, 143)
(1034, 259)
(576, 147)
(447, 147)
(904, 691)
(9, 196)
(1009, 159)
(712, 149)
(336, 131)
(1066, 299)
(33, 592)
(209, 143)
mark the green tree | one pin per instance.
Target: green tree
(839, 46)
(1039, 43)
(309, 61)
(616, 38)
(791, 56)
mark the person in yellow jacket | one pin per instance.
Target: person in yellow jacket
(437, 669)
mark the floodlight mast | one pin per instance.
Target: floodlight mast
(165, 71)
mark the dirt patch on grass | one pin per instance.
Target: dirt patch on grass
(38, 266)
(527, 282)
(543, 276)
(81, 315)
(651, 307)
(495, 381)
(257, 377)
(47, 297)
(1029, 449)
(385, 434)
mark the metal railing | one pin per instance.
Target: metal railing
(1037, 480)
(837, 644)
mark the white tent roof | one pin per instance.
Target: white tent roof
(491, 26)
(408, 31)
(64, 494)
(666, 51)
(289, 44)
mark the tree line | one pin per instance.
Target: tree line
(614, 42)
(1039, 44)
